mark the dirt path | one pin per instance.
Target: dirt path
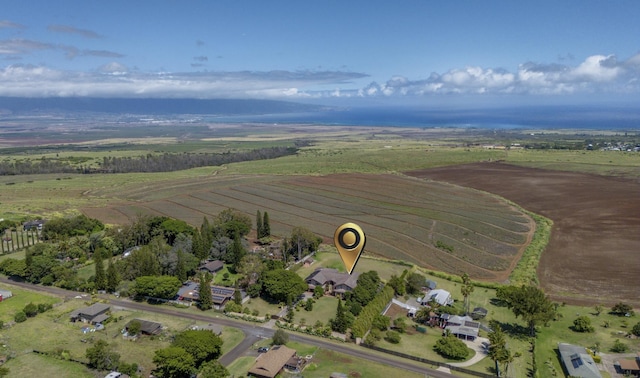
(594, 252)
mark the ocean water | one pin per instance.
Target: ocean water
(554, 117)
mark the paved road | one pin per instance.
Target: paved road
(252, 332)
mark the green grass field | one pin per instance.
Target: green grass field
(21, 298)
(33, 365)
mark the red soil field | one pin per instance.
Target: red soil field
(594, 252)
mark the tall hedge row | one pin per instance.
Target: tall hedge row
(363, 322)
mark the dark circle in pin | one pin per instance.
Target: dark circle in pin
(341, 238)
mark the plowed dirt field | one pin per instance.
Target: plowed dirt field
(594, 252)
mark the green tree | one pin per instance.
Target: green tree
(393, 337)
(381, 322)
(466, 289)
(237, 252)
(400, 324)
(414, 283)
(213, 369)
(134, 327)
(205, 301)
(283, 285)
(582, 324)
(290, 314)
(181, 268)
(102, 357)
(4, 371)
(635, 330)
(450, 346)
(202, 345)
(530, 303)
(231, 222)
(498, 351)
(113, 278)
(173, 362)
(621, 309)
(100, 275)
(165, 287)
(318, 292)
(259, 227)
(343, 319)
(266, 226)
(280, 337)
(397, 284)
(598, 308)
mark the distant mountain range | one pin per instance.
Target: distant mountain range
(157, 106)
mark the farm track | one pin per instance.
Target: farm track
(403, 217)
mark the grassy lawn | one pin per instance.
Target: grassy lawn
(21, 298)
(560, 332)
(326, 362)
(262, 306)
(323, 310)
(240, 366)
(17, 255)
(230, 338)
(34, 365)
(218, 278)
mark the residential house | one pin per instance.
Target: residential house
(332, 281)
(630, 367)
(96, 313)
(462, 327)
(190, 292)
(440, 296)
(211, 266)
(146, 327)
(269, 364)
(577, 361)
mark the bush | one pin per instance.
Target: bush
(619, 347)
(280, 337)
(635, 330)
(20, 317)
(582, 324)
(450, 346)
(30, 310)
(393, 337)
(621, 309)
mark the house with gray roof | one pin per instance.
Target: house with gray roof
(577, 362)
(96, 313)
(332, 281)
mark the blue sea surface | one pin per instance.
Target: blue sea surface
(550, 117)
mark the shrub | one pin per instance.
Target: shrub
(619, 347)
(635, 330)
(30, 310)
(392, 336)
(20, 317)
(450, 346)
(582, 324)
(621, 309)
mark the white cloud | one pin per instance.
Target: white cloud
(595, 74)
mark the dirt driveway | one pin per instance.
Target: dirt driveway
(594, 252)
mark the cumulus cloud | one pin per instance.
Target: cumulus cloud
(594, 74)
(597, 73)
(73, 30)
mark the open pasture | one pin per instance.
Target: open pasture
(404, 218)
(593, 253)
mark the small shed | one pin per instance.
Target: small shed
(5, 294)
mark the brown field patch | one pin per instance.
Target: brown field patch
(403, 218)
(594, 252)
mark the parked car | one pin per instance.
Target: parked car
(263, 350)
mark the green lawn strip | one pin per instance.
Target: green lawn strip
(21, 297)
(326, 362)
(35, 365)
(231, 337)
(16, 255)
(240, 366)
(218, 278)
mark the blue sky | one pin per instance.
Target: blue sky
(324, 51)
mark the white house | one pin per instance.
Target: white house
(440, 296)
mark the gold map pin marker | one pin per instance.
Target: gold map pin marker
(349, 240)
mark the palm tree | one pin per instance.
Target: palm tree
(466, 289)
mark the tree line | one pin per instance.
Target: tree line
(166, 162)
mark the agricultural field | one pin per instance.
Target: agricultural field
(593, 251)
(435, 225)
